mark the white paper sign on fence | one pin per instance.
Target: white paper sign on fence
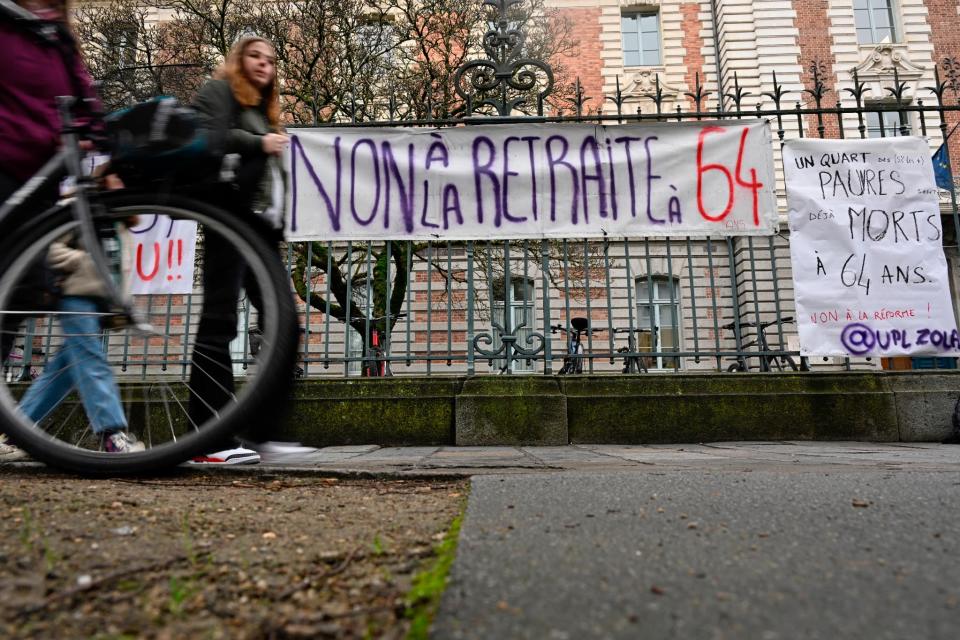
(160, 252)
(866, 246)
(532, 181)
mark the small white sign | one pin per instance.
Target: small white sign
(160, 253)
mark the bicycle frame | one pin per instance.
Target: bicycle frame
(67, 163)
(767, 360)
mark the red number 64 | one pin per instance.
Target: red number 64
(702, 168)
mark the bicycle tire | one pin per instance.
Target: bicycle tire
(154, 400)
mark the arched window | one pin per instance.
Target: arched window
(658, 313)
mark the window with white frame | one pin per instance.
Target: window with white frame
(356, 349)
(874, 21)
(640, 34)
(884, 124)
(513, 309)
(658, 313)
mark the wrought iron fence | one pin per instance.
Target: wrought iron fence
(650, 304)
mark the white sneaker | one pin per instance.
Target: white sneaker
(238, 455)
(283, 452)
(9, 452)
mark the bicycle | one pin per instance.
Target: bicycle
(768, 361)
(573, 360)
(376, 363)
(156, 405)
(632, 361)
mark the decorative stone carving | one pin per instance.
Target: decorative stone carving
(878, 65)
(641, 90)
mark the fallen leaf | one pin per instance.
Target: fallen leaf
(269, 535)
(657, 590)
(857, 502)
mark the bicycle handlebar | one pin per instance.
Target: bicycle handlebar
(387, 317)
(559, 327)
(763, 325)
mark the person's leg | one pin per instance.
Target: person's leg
(263, 429)
(91, 373)
(211, 375)
(48, 390)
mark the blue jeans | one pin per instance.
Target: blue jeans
(79, 364)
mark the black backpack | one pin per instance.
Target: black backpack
(161, 140)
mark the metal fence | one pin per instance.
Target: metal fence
(651, 304)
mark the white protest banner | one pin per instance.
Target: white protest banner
(532, 181)
(866, 246)
(161, 255)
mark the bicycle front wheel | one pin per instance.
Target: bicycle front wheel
(180, 388)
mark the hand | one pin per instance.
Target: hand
(274, 143)
(62, 258)
(112, 182)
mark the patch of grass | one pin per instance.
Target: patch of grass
(378, 545)
(424, 597)
(33, 540)
(180, 591)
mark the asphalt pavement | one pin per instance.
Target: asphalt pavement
(747, 540)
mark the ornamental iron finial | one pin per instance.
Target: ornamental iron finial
(504, 80)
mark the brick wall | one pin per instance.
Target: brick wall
(944, 19)
(693, 47)
(585, 62)
(816, 43)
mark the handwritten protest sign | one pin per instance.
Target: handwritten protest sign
(532, 181)
(867, 251)
(161, 254)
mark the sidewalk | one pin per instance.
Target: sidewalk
(372, 460)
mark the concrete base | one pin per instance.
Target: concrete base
(614, 409)
(502, 410)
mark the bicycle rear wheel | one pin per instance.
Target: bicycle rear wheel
(152, 370)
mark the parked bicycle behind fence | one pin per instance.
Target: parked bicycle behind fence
(376, 359)
(768, 360)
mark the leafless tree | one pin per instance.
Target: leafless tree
(337, 61)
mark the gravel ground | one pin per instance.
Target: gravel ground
(208, 556)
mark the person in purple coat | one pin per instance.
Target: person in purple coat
(42, 62)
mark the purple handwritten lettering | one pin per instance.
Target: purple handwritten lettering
(533, 173)
(613, 181)
(405, 190)
(625, 141)
(484, 169)
(506, 180)
(375, 163)
(451, 204)
(333, 209)
(650, 178)
(591, 147)
(423, 213)
(560, 161)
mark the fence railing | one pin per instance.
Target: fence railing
(652, 304)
